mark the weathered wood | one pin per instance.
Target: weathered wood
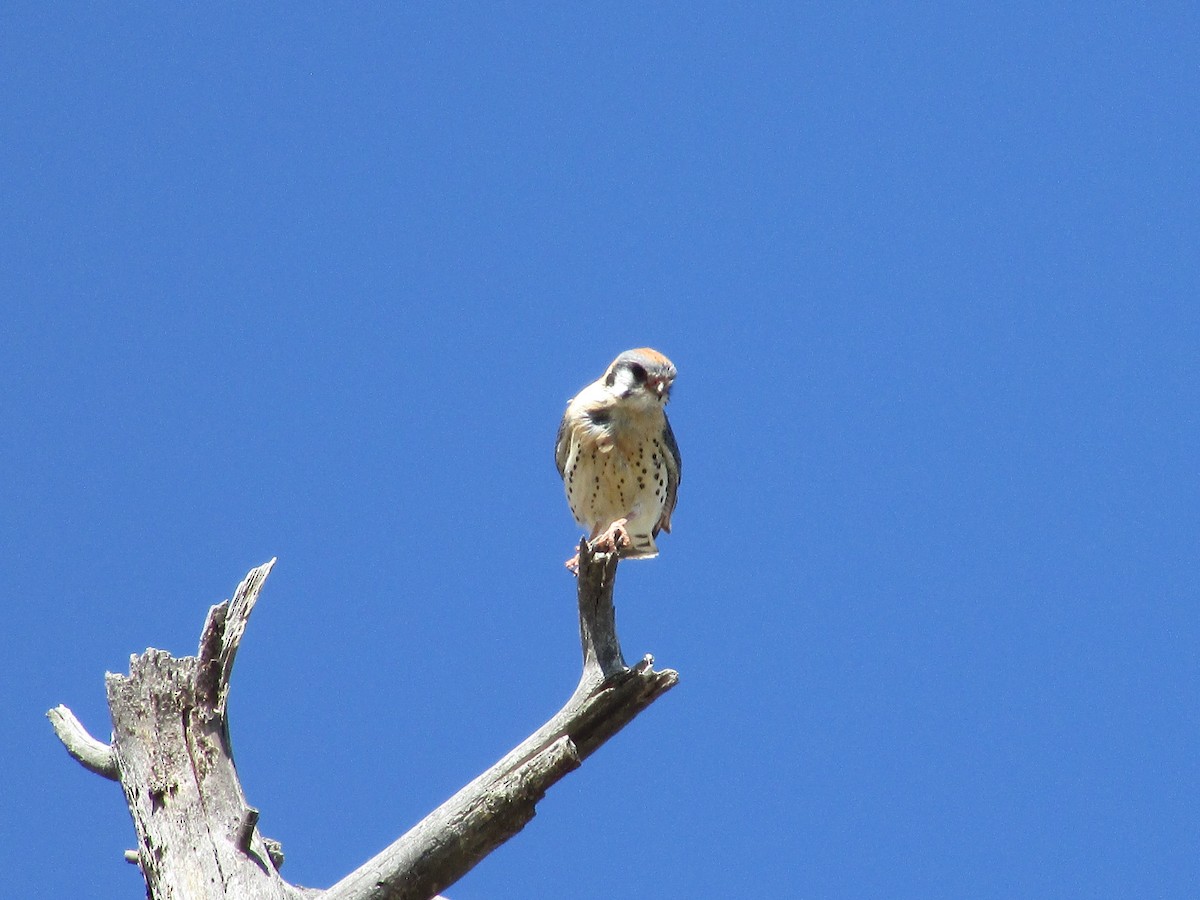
(95, 756)
(198, 838)
(176, 768)
(602, 656)
(451, 840)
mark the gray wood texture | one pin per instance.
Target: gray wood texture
(198, 838)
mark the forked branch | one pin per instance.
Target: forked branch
(450, 840)
(171, 752)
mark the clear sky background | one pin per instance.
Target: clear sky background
(317, 282)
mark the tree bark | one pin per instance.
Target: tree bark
(197, 836)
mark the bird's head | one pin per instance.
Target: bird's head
(643, 376)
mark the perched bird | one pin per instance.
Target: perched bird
(618, 458)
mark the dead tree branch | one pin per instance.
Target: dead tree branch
(197, 836)
(450, 840)
(95, 756)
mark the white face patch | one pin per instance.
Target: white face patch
(624, 383)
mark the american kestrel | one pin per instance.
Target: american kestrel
(617, 455)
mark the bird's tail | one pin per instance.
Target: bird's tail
(643, 547)
(640, 543)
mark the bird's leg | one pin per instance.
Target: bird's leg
(614, 539)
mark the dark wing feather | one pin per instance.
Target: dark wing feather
(562, 447)
(674, 475)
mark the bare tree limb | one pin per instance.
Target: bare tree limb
(222, 635)
(95, 756)
(197, 835)
(452, 839)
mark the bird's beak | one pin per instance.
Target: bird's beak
(661, 387)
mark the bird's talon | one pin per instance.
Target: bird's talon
(622, 542)
(615, 539)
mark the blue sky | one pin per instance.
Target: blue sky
(317, 283)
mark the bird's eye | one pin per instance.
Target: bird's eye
(638, 372)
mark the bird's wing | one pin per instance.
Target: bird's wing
(674, 475)
(562, 446)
